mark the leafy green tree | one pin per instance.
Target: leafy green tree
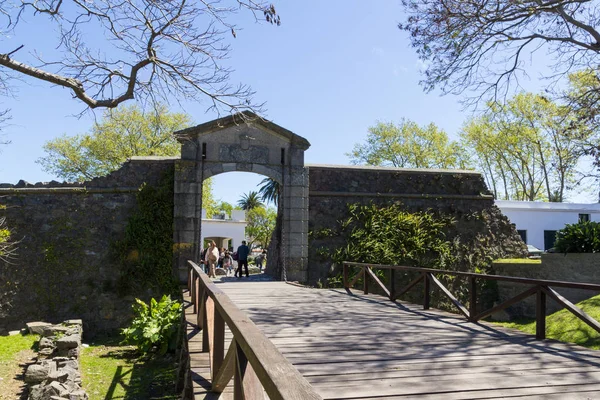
(121, 134)
(261, 224)
(269, 190)
(408, 145)
(525, 148)
(485, 46)
(249, 201)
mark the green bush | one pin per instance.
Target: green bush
(583, 237)
(391, 235)
(154, 327)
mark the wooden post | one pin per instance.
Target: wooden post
(241, 363)
(219, 343)
(472, 298)
(345, 272)
(204, 315)
(392, 284)
(427, 291)
(366, 281)
(195, 293)
(190, 275)
(540, 315)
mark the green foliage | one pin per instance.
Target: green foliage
(250, 200)
(261, 224)
(408, 145)
(146, 252)
(390, 235)
(122, 133)
(155, 325)
(583, 237)
(527, 149)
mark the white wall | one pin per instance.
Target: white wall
(218, 229)
(536, 217)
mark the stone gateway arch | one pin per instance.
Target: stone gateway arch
(247, 143)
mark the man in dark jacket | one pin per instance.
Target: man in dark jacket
(242, 253)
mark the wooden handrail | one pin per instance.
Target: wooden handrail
(540, 288)
(252, 361)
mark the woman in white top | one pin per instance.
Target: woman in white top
(212, 256)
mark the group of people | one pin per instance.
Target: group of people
(213, 258)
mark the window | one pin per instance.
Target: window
(584, 217)
(549, 239)
(523, 234)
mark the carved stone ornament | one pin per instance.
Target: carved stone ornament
(245, 141)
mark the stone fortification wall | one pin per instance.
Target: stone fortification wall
(462, 194)
(64, 268)
(571, 267)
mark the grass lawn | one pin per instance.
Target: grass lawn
(518, 261)
(14, 351)
(566, 327)
(111, 371)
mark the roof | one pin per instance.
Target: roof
(245, 117)
(546, 206)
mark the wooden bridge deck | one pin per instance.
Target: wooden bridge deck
(366, 347)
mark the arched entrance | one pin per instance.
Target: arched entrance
(250, 144)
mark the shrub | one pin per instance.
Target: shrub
(583, 237)
(391, 235)
(154, 327)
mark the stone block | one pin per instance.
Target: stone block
(37, 327)
(37, 373)
(68, 342)
(53, 330)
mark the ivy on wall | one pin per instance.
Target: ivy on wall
(146, 252)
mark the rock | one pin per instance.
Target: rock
(36, 392)
(46, 352)
(46, 343)
(14, 333)
(52, 330)
(78, 395)
(37, 327)
(68, 342)
(55, 389)
(73, 322)
(59, 375)
(220, 271)
(36, 373)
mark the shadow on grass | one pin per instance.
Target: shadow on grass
(142, 377)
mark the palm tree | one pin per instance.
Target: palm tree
(269, 191)
(250, 201)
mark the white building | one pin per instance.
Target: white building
(226, 232)
(538, 222)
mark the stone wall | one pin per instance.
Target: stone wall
(571, 267)
(64, 268)
(462, 194)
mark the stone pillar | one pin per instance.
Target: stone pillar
(295, 224)
(187, 210)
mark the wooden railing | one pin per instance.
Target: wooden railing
(252, 360)
(537, 287)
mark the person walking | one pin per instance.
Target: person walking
(242, 254)
(212, 255)
(228, 263)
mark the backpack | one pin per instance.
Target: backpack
(234, 256)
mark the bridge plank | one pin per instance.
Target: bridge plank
(364, 346)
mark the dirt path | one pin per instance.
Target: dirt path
(11, 376)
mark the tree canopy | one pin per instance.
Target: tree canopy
(483, 45)
(407, 145)
(261, 224)
(108, 52)
(120, 134)
(249, 201)
(527, 149)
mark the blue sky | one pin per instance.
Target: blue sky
(332, 69)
